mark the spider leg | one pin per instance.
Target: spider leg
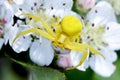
(79, 47)
(58, 30)
(49, 30)
(85, 55)
(32, 30)
(82, 48)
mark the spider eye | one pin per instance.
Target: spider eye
(71, 25)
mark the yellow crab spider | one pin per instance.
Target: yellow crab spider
(67, 32)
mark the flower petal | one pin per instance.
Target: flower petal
(18, 45)
(109, 54)
(111, 36)
(75, 60)
(1, 1)
(58, 4)
(101, 14)
(29, 5)
(42, 53)
(1, 42)
(21, 44)
(101, 66)
(19, 2)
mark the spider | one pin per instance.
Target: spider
(66, 36)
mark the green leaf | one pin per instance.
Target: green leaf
(7, 72)
(79, 75)
(118, 18)
(40, 73)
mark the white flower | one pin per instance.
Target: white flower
(41, 50)
(96, 33)
(6, 16)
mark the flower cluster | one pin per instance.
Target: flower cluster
(51, 29)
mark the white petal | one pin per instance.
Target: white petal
(61, 13)
(1, 42)
(9, 17)
(2, 11)
(112, 26)
(42, 53)
(11, 34)
(111, 36)
(75, 60)
(6, 37)
(109, 54)
(1, 1)
(8, 5)
(21, 44)
(58, 4)
(29, 4)
(101, 14)
(101, 66)
(19, 2)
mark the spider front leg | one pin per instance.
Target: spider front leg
(48, 28)
(34, 30)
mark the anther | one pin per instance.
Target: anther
(88, 37)
(24, 37)
(99, 49)
(20, 9)
(107, 28)
(53, 29)
(93, 24)
(35, 4)
(31, 8)
(5, 20)
(41, 5)
(52, 7)
(54, 16)
(18, 24)
(82, 17)
(96, 11)
(64, 4)
(30, 18)
(91, 39)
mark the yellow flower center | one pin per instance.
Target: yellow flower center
(71, 25)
